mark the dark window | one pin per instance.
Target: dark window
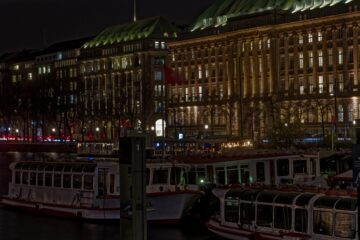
(32, 178)
(220, 175)
(232, 210)
(25, 178)
(17, 177)
(247, 213)
(282, 217)
(301, 220)
(48, 179)
(323, 222)
(67, 181)
(264, 215)
(300, 166)
(40, 179)
(175, 176)
(232, 174)
(244, 174)
(192, 176)
(260, 172)
(160, 176)
(282, 167)
(88, 182)
(147, 176)
(77, 181)
(57, 180)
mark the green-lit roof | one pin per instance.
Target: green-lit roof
(156, 27)
(222, 10)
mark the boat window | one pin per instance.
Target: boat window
(40, 179)
(32, 178)
(48, 179)
(220, 175)
(282, 166)
(233, 193)
(232, 209)
(17, 177)
(232, 175)
(175, 176)
(249, 195)
(25, 166)
(18, 166)
(67, 168)
(267, 197)
(77, 181)
(40, 167)
(282, 217)
(285, 198)
(88, 182)
(348, 204)
(264, 215)
(57, 180)
(345, 225)
(304, 199)
(325, 202)
(323, 222)
(160, 176)
(247, 213)
(66, 181)
(301, 220)
(33, 166)
(25, 178)
(58, 168)
(89, 168)
(300, 166)
(192, 176)
(49, 168)
(260, 172)
(112, 183)
(77, 168)
(244, 174)
(201, 175)
(147, 176)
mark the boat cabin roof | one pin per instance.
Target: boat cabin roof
(300, 199)
(56, 167)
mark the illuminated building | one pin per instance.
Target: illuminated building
(254, 65)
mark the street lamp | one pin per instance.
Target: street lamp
(206, 127)
(286, 124)
(53, 130)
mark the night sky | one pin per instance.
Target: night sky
(38, 23)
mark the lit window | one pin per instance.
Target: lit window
(157, 44)
(173, 57)
(16, 67)
(331, 84)
(163, 46)
(311, 60)
(330, 56)
(321, 84)
(301, 60)
(268, 43)
(310, 37)
(200, 72)
(30, 76)
(320, 58)
(48, 69)
(158, 75)
(340, 113)
(301, 39)
(260, 44)
(302, 90)
(341, 56)
(341, 82)
(319, 36)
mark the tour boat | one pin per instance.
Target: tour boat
(88, 188)
(248, 214)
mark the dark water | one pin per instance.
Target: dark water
(17, 225)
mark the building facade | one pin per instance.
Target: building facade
(251, 69)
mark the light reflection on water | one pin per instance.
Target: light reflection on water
(17, 225)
